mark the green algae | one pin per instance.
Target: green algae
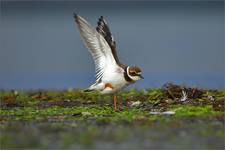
(78, 120)
(46, 104)
(195, 111)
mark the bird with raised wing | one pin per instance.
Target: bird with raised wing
(111, 75)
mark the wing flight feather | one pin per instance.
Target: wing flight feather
(98, 47)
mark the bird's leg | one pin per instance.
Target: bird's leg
(115, 102)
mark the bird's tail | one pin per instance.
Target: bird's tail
(90, 89)
(95, 87)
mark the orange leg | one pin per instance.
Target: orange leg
(115, 102)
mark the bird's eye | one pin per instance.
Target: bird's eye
(133, 73)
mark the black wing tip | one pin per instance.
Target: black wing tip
(101, 18)
(75, 16)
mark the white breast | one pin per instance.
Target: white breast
(116, 79)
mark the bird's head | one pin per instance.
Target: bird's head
(134, 73)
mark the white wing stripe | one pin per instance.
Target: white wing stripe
(98, 47)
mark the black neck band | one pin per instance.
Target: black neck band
(127, 78)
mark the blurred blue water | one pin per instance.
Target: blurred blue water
(180, 42)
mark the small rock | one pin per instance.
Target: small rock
(169, 101)
(135, 104)
(162, 113)
(86, 114)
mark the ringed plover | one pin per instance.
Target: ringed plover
(111, 75)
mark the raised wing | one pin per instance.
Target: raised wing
(103, 29)
(98, 47)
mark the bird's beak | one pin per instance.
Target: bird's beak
(141, 77)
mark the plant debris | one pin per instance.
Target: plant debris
(72, 117)
(218, 105)
(175, 91)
